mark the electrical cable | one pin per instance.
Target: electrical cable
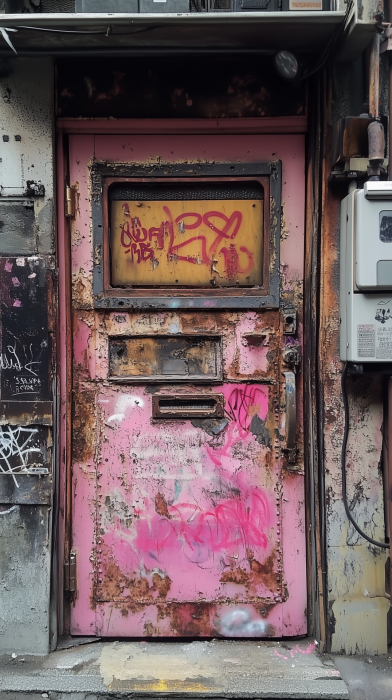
(59, 31)
(4, 32)
(384, 545)
(106, 32)
(333, 40)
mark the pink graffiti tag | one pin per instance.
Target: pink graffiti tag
(136, 239)
(231, 524)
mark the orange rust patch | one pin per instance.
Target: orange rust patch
(83, 426)
(235, 576)
(263, 573)
(192, 619)
(117, 587)
(161, 506)
(161, 584)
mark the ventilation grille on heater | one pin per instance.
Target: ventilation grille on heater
(255, 4)
(57, 5)
(220, 6)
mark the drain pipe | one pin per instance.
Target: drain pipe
(376, 138)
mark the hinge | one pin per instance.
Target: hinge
(70, 575)
(69, 201)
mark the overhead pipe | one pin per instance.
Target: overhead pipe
(376, 138)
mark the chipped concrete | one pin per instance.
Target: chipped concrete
(225, 669)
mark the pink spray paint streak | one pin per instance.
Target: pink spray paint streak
(195, 532)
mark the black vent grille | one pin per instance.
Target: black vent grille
(175, 192)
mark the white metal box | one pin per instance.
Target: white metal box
(373, 236)
(365, 293)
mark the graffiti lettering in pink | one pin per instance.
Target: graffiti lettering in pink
(134, 237)
(228, 229)
(232, 525)
(232, 263)
(242, 404)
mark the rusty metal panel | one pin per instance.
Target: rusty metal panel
(187, 358)
(187, 243)
(185, 524)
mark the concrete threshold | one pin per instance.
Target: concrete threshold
(206, 669)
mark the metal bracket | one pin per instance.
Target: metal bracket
(70, 575)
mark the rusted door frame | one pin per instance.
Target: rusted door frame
(282, 125)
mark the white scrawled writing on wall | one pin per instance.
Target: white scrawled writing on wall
(19, 359)
(17, 452)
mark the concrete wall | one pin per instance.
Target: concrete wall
(357, 605)
(26, 227)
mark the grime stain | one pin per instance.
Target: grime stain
(264, 572)
(161, 506)
(117, 587)
(258, 573)
(259, 430)
(83, 426)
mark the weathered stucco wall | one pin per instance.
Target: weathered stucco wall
(26, 228)
(357, 606)
(26, 135)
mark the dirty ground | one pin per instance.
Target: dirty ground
(216, 669)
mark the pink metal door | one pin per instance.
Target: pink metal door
(186, 526)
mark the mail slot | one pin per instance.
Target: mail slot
(188, 406)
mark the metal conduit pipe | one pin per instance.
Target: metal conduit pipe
(375, 129)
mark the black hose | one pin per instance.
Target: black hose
(384, 545)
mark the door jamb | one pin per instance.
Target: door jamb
(65, 127)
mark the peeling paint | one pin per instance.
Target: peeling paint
(184, 518)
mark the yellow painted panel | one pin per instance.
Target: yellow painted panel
(198, 243)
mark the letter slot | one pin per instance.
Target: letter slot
(188, 406)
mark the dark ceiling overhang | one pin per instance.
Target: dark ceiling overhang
(142, 34)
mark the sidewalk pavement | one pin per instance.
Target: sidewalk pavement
(150, 669)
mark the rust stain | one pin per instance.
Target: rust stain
(237, 575)
(193, 619)
(161, 584)
(82, 295)
(150, 630)
(265, 572)
(83, 426)
(161, 506)
(259, 574)
(117, 587)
